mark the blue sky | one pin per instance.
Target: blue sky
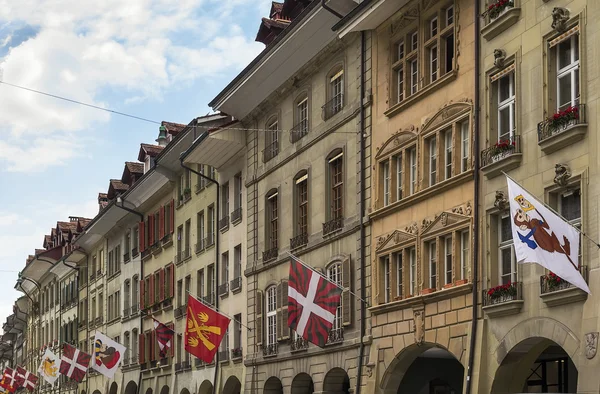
(158, 59)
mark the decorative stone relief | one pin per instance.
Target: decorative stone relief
(591, 345)
(469, 209)
(499, 57)
(412, 229)
(405, 19)
(501, 202)
(562, 174)
(419, 319)
(444, 218)
(560, 17)
(380, 241)
(425, 223)
(459, 210)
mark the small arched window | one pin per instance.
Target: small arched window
(271, 139)
(335, 92)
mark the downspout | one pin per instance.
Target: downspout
(217, 232)
(475, 200)
(22, 278)
(334, 12)
(362, 131)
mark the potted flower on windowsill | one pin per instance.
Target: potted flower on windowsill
(562, 119)
(502, 293)
(553, 281)
(501, 149)
(494, 10)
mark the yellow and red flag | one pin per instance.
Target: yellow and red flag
(204, 330)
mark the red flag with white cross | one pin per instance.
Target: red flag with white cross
(26, 379)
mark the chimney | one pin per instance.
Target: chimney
(162, 136)
(102, 201)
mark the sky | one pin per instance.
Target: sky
(156, 59)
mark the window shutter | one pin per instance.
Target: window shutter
(171, 280)
(141, 236)
(161, 222)
(259, 317)
(346, 296)
(285, 331)
(142, 293)
(142, 348)
(172, 215)
(151, 350)
(151, 290)
(150, 230)
(173, 338)
(279, 316)
(161, 275)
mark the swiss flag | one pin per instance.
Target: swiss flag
(9, 380)
(74, 363)
(312, 303)
(26, 379)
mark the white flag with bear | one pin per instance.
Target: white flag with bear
(541, 236)
(107, 356)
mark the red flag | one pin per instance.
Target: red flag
(26, 379)
(74, 363)
(164, 335)
(312, 303)
(9, 380)
(204, 330)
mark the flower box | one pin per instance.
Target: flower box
(428, 291)
(496, 9)
(461, 282)
(449, 285)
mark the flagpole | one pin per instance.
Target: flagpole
(327, 279)
(554, 211)
(216, 310)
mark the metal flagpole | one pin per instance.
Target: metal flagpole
(327, 279)
(556, 213)
(217, 310)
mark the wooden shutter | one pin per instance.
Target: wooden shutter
(173, 340)
(142, 294)
(172, 215)
(161, 276)
(259, 317)
(150, 230)
(285, 332)
(142, 348)
(279, 316)
(161, 222)
(151, 290)
(141, 236)
(171, 279)
(346, 296)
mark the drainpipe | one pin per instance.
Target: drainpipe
(217, 231)
(334, 12)
(362, 211)
(23, 278)
(475, 200)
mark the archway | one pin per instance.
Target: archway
(232, 386)
(96, 392)
(206, 387)
(302, 384)
(536, 365)
(336, 381)
(83, 392)
(164, 389)
(114, 388)
(422, 370)
(273, 386)
(148, 390)
(185, 391)
(131, 387)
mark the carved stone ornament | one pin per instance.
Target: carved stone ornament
(562, 174)
(419, 326)
(469, 209)
(444, 219)
(499, 58)
(412, 229)
(459, 210)
(591, 345)
(560, 17)
(425, 223)
(501, 202)
(380, 241)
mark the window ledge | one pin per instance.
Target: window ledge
(503, 308)
(564, 296)
(503, 22)
(399, 107)
(502, 164)
(565, 138)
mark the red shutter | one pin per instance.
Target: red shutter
(150, 230)
(141, 236)
(162, 284)
(172, 281)
(142, 348)
(151, 285)
(172, 349)
(142, 293)
(161, 222)
(172, 215)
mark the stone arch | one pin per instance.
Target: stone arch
(131, 387)
(396, 141)
(164, 389)
(185, 391)
(447, 114)
(83, 392)
(273, 386)
(336, 381)
(398, 368)
(114, 388)
(302, 384)
(96, 392)
(148, 390)
(232, 386)
(206, 387)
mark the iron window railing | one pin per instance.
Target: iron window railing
(561, 121)
(298, 241)
(501, 149)
(503, 293)
(333, 225)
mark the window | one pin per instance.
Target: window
(210, 223)
(271, 315)
(180, 240)
(127, 292)
(238, 190)
(399, 276)
(412, 256)
(567, 75)
(188, 283)
(136, 240)
(431, 143)
(225, 268)
(448, 259)
(386, 182)
(449, 16)
(336, 91)
(414, 76)
(180, 295)
(414, 41)
(569, 207)
(200, 282)
(336, 175)
(199, 231)
(433, 27)
(127, 243)
(301, 127)
(272, 220)
(156, 227)
(237, 332)
(167, 220)
(433, 63)
(464, 253)
(272, 140)
(507, 260)
(225, 200)
(237, 261)
(210, 272)
(399, 175)
(432, 265)
(188, 231)
(302, 204)
(334, 274)
(135, 294)
(506, 107)
(464, 137)
(385, 266)
(400, 84)
(448, 153)
(413, 169)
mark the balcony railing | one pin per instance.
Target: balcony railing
(236, 353)
(179, 257)
(494, 13)
(236, 215)
(336, 336)
(503, 148)
(99, 272)
(178, 367)
(209, 299)
(236, 283)
(126, 311)
(166, 239)
(299, 131)
(333, 106)
(270, 255)
(298, 344)
(270, 350)
(224, 223)
(270, 151)
(126, 257)
(82, 323)
(550, 282)
(187, 253)
(186, 365)
(99, 320)
(502, 293)
(133, 359)
(298, 240)
(333, 225)
(134, 252)
(145, 253)
(134, 309)
(223, 289)
(199, 247)
(179, 311)
(199, 363)
(561, 121)
(209, 240)
(224, 355)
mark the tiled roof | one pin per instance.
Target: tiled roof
(66, 226)
(39, 251)
(135, 167)
(173, 128)
(276, 7)
(101, 195)
(269, 29)
(150, 150)
(82, 222)
(117, 185)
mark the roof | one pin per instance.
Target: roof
(102, 195)
(132, 172)
(66, 226)
(224, 126)
(276, 8)
(173, 128)
(269, 29)
(115, 187)
(150, 150)
(134, 167)
(347, 18)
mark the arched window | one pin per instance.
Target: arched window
(301, 116)
(271, 312)
(271, 225)
(335, 191)
(271, 139)
(300, 209)
(335, 92)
